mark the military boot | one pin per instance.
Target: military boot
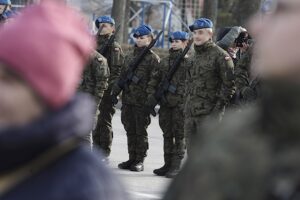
(127, 164)
(164, 169)
(174, 169)
(137, 166)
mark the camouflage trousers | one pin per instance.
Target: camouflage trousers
(136, 122)
(192, 129)
(103, 134)
(171, 121)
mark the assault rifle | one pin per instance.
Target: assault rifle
(130, 76)
(165, 85)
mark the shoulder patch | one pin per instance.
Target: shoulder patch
(117, 49)
(100, 59)
(227, 58)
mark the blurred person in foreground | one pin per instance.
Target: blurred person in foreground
(42, 121)
(254, 154)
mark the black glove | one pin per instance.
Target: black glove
(248, 94)
(150, 105)
(115, 91)
(219, 107)
(114, 100)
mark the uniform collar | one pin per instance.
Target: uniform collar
(102, 39)
(204, 47)
(138, 50)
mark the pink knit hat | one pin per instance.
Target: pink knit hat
(47, 45)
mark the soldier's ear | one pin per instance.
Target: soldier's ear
(113, 27)
(210, 32)
(151, 37)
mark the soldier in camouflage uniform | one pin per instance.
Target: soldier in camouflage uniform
(247, 87)
(95, 80)
(133, 115)
(241, 53)
(95, 77)
(254, 154)
(103, 134)
(210, 82)
(171, 119)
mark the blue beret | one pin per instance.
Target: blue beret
(142, 30)
(5, 2)
(179, 35)
(201, 23)
(104, 19)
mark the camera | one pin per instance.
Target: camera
(244, 37)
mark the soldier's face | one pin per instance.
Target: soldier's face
(177, 44)
(143, 41)
(278, 42)
(201, 36)
(106, 28)
(18, 103)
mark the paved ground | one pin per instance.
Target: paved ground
(140, 185)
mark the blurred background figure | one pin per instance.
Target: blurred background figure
(233, 40)
(42, 121)
(239, 45)
(94, 81)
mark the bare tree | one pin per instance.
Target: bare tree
(118, 13)
(210, 10)
(242, 10)
(126, 22)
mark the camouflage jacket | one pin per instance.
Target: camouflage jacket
(114, 56)
(242, 70)
(137, 93)
(178, 79)
(95, 76)
(210, 81)
(252, 154)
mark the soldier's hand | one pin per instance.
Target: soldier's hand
(219, 108)
(115, 91)
(149, 110)
(151, 101)
(114, 99)
(150, 104)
